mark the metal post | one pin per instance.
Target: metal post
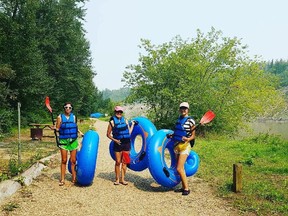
(19, 142)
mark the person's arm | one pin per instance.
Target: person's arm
(58, 123)
(193, 134)
(132, 126)
(109, 131)
(192, 137)
(80, 132)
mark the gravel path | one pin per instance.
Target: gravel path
(142, 196)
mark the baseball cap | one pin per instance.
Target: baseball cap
(118, 108)
(184, 104)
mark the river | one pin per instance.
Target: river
(271, 127)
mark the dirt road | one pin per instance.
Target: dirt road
(142, 196)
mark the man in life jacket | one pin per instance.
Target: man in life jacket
(66, 125)
(120, 129)
(183, 134)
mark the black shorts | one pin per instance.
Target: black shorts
(124, 146)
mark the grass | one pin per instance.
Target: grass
(265, 172)
(10, 207)
(31, 150)
(264, 160)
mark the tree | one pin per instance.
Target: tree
(116, 95)
(279, 68)
(44, 43)
(6, 76)
(210, 72)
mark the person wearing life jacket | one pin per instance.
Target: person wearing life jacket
(66, 126)
(119, 132)
(183, 134)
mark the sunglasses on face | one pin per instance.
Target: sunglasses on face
(68, 107)
(118, 112)
(183, 108)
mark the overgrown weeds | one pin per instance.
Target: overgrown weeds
(265, 172)
(11, 206)
(31, 150)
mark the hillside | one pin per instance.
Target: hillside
(116, 95)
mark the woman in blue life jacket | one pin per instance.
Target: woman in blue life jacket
(66, 125)
(182, 136)
(120, 129)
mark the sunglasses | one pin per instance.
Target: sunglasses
(68, 107)
(183, 108)
(118, 112)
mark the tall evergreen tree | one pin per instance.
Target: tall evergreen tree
(44, 43)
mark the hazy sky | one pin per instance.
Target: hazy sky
(114, 28)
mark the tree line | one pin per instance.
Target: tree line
(211, 72)
(44, 52)
(117, 95)
(280, 69)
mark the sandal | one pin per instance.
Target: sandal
(179, 190)
(116, 183)
(185, 192)
(124, 183)
(61, 183)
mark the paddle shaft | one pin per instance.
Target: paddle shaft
(47, 102)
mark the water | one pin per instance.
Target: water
(271, 127)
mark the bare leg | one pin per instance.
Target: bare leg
(63, 164)
(180, 169)
(117, 166)
(123, 171)
(73, 163)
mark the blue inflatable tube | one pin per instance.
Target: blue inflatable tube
(145, 129)
(167, 175)
(192, 164)
(87, 158)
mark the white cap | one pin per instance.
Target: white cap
(184, 104)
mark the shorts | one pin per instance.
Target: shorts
(182, 148)
(68, 145)
(124, 146)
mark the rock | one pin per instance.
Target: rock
(32, 173)
(7, 188)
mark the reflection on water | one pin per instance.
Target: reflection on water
(271, 127)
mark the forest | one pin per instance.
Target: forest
(44, 52)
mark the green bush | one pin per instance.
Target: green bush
(6, 120)
(14, 167)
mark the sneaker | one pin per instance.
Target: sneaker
(185, 192)
(179, 190)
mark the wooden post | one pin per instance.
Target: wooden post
(237, 177)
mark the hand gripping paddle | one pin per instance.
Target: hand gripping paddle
(47, 103)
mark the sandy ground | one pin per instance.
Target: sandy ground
(142, 196)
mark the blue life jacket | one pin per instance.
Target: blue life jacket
(120, 129)
(179, 130)
(68, 128)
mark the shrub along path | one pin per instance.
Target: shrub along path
(142, 196)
